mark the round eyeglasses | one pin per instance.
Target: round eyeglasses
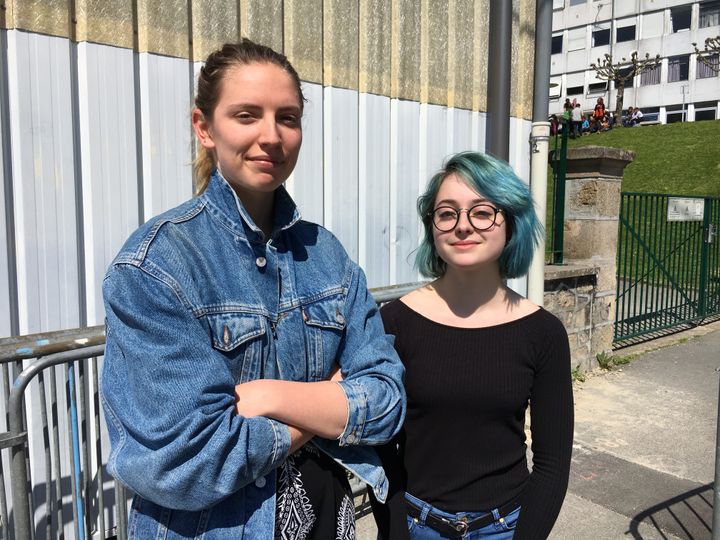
(481, 217)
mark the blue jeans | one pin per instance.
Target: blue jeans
(503, 528)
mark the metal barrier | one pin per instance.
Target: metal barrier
(77, 351)
(668, 264)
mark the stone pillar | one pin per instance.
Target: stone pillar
(592, 209)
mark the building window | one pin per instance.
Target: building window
(678, 68)
(577, 2)
(597, 87)
(675, 113)
(556, 46)
(709, 14)
(704, 71)
(706, 110)
(650, 76)
(624, 72)
(601, 37)
(680, 18)
(626, 33)
(574, 90)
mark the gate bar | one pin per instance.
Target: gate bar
(21, 504)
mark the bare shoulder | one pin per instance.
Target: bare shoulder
(519, 306)
(422, 299)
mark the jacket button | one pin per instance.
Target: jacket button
(260, 482)
(350, 438)
(261, 262)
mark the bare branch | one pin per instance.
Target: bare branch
(710, 55)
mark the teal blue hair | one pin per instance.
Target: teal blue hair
(496, 181)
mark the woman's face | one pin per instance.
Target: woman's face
(464, 247)
(255, 132)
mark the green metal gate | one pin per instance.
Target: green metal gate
(668, 262)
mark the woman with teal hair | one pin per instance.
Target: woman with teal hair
(476, 355)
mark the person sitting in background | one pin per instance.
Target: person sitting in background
(605, 123)
(637, 117)
(627, 119)
(585, 126)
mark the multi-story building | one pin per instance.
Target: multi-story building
(680, 88)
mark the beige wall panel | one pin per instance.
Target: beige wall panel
(461, 53)
(340, 44)
(480, 55)
(105, 21)
(215, 22)
(434, 52)
(262, 21)
(163, 27)
(405, 82)
(375, 41)
(523, 58)
(303, 38)
(43, 16)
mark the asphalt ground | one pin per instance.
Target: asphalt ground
(644, 452)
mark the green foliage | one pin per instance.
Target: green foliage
(604, 360)
(577, 374)
(607, 361)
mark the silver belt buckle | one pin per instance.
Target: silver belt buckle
(460, 526)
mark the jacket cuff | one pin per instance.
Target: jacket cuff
(281, 446)
(357, 413)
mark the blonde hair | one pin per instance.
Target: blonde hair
(209, 85)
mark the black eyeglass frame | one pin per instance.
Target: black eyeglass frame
(458, 211)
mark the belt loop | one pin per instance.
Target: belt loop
(496, 514)
(424, 513)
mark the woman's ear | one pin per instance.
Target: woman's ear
(202, 129)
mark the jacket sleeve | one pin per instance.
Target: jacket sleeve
(372, 372)
(168, 397)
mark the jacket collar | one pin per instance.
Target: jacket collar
(225, 203)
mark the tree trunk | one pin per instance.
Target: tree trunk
(619, 100)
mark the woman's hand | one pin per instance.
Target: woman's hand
(253, 398)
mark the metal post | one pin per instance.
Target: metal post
(498, 91)
(716, 485)
(559, 200)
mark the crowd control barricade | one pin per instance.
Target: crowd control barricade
(54, 442)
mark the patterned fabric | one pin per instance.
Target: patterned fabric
(314, 501)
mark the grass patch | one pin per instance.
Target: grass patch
(674, 159)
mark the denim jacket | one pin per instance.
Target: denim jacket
(198, 301)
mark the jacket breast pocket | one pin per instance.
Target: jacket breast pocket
(324, 329)
(239, 337)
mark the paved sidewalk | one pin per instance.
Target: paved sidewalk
(644, 452)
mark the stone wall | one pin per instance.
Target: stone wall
(571, 295)
(582, 291)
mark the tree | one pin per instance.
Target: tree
(710, 55)
(621, 72)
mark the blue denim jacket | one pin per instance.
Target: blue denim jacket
(198, 301)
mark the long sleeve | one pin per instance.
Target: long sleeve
(551, 421)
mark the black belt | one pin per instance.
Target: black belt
(459, 527)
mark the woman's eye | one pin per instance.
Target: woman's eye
(244, 116)
(446, 214)
(290, 120)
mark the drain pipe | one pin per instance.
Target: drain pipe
(539, 141)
